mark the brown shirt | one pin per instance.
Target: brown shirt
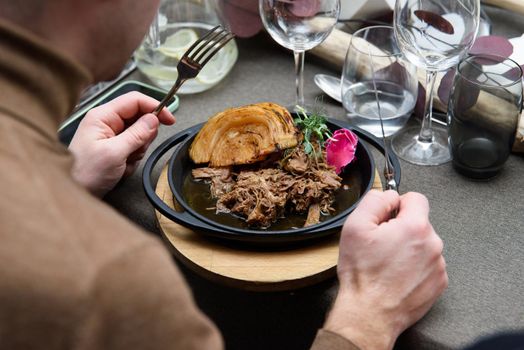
(74, 274)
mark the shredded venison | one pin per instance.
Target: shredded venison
(220, 179)
(313, 215)
(297, 184)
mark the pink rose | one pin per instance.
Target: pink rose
(340, 149)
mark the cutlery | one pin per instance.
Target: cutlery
(389, 170)
(330, 85)
(195, 58)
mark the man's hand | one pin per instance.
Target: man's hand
(391, 271)
(113, 138)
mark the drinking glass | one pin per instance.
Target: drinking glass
(434, 35)
(374, 60)
(176, 27)
(299, 25)
(483, 113)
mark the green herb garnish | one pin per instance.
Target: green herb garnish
(313, 128)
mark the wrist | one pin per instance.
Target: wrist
(360, 324)
(88, 180)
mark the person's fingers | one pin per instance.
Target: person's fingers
(138, 135)
(414, 210)
(130, 105)
(375, 208)
(130, 168)
(435, 244)
(138, 155)
(413, 203)
(166, 117)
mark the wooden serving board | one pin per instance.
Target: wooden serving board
(249, 269)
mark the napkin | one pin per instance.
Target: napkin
(518, 56)
(518, 49)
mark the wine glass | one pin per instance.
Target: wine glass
(379, 86)
(484, 109)
(434, 35)
(299, 25)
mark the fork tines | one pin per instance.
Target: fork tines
(208, 45)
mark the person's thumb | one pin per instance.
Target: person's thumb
(139, 134)
(375, 208)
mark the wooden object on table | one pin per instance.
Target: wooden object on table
(248, 269)
(512, 5)
(333, 50)
(518, 145)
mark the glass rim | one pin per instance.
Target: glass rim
(502, 59)
(382, 26)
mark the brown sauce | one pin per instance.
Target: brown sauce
(198, 197)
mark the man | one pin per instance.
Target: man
(76, 275)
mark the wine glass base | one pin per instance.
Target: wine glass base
(410, 148)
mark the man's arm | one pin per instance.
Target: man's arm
(140, 301)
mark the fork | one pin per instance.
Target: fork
(389, 170)
(389, 173)
(195, 58)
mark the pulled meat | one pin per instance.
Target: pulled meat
(313, 215)
(221, 179)
(297, 163)
(317, 185)
(299, 184)
(259, 196)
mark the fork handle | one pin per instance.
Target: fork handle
(391, 185)
(169, 95)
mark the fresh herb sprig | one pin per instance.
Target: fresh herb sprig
(313, 128)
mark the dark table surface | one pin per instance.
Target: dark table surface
(481, 224)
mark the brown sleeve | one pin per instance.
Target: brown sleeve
(140, 301)
(327, 340)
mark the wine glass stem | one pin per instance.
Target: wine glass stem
(299, 71)
(426, 134)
